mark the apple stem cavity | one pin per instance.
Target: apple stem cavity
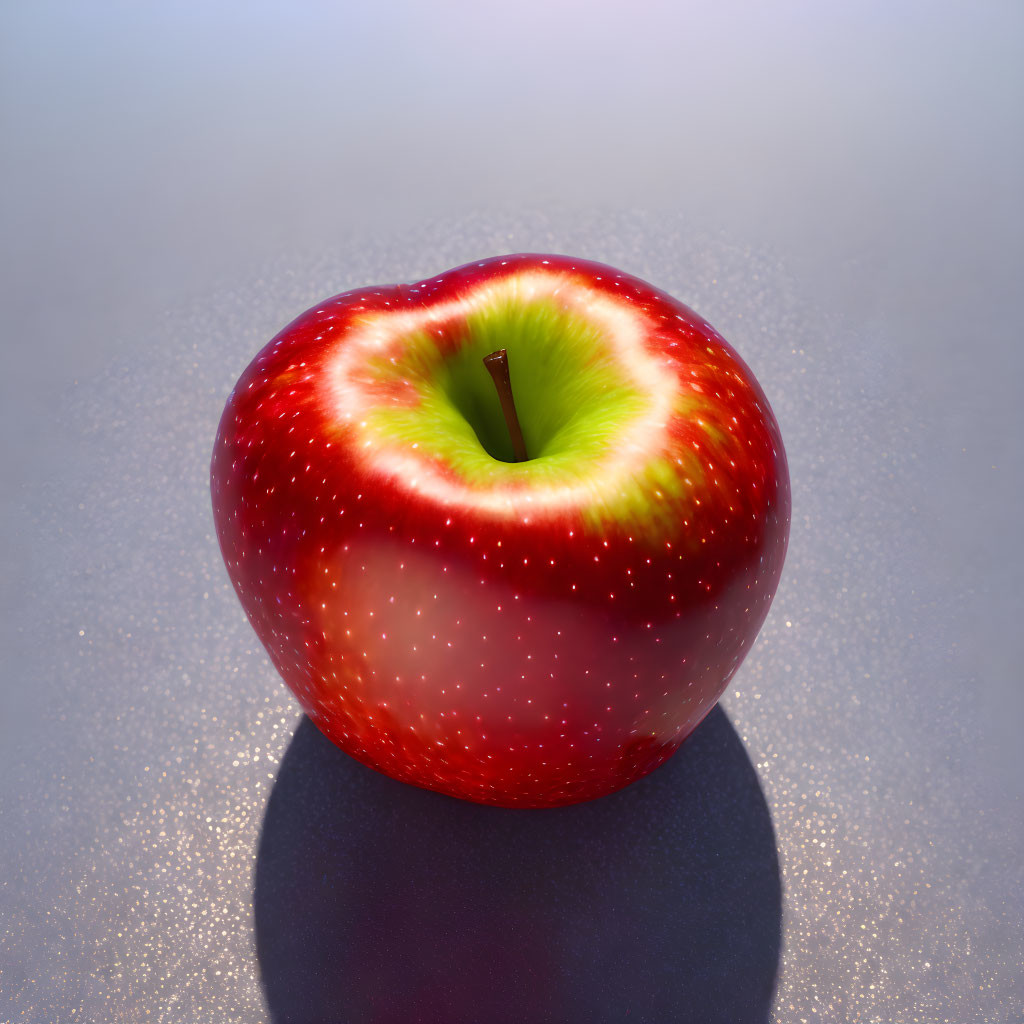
(497, 365)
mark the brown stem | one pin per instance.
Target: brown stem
(497, 364)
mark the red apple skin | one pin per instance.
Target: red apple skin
(527, 665)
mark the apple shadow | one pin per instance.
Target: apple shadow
(381, 903)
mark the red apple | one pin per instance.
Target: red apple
(522, 633)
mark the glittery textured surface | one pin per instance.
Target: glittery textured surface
(180, 846)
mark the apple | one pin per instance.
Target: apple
(522, 631)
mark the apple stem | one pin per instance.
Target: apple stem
(497, 365)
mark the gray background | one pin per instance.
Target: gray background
(837, 190)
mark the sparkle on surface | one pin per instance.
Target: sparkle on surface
(132, 838)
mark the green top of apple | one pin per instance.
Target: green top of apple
(571, 398)
(595, 403)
